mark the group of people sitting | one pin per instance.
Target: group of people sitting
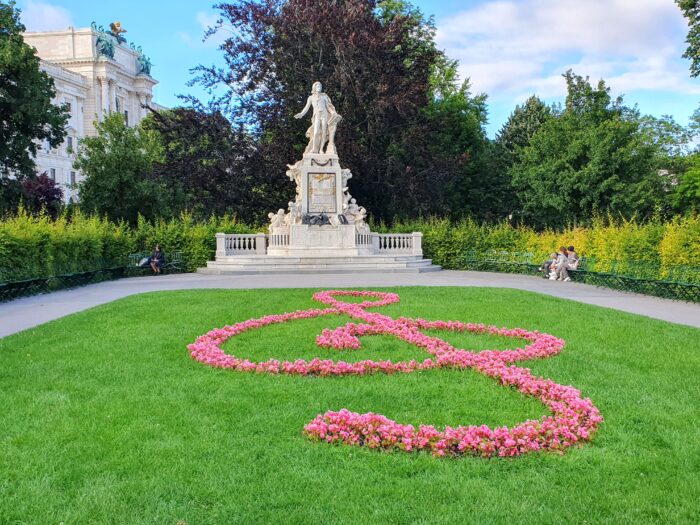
(557, 267)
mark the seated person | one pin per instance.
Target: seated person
(547, 265)
(157, 260)
(572, 257)
(561, 272)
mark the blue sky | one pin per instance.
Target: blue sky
(509, 49)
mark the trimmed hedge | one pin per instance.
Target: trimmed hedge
(38, 247)
(669, 244)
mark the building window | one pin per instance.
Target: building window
(126, 117)
(52, 174)
(47, 146)
(69, 106)
(72, 178)
(70, 144)
(119, 105)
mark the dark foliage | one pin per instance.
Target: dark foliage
(375, 60)
(42, 193)
(212, 167)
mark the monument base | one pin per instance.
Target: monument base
(319, 241)
(270, 264)
(318, 249)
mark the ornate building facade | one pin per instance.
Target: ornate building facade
(95, 73)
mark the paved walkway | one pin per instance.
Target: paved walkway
(28, 312)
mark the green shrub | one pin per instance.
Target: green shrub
(37, 246)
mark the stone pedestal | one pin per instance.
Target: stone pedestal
(321, 185)
(318, 241)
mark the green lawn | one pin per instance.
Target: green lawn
(106, 419)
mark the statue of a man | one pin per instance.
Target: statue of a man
(323, 123)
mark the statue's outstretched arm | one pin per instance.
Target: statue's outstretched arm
(306, 108)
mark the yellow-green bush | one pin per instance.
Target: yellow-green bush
(672, 243)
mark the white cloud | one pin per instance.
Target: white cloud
(42, 16)
(519, 47)
(205, 20)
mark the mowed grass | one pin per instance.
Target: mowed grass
(104, 418)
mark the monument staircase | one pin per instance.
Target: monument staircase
(243, 254)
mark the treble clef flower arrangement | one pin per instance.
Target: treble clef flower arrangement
(574, 419)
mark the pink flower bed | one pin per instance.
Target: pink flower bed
(574, 419)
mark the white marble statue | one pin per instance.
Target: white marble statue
(294, 174)
(346, 175)
(323, 123)
(277, 220)
(295, 213)
(352, 211)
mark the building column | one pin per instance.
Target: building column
(141, 112)
(112, 96)
(105, 96)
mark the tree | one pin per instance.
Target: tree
(522, 125)
(26, 111)
(42, 193)
(589, 160)
(686, 197)
(118, 167)
(375, 59)
(691, 10)
(457, 138)
(212, 167)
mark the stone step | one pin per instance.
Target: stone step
(270, 259)
(334, 270)
(317, 263)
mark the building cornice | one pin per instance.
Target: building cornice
(56, 71)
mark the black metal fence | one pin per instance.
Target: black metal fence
(679, 282)
(15, 289)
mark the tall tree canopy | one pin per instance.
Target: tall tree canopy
(591, 159)
(211, 167)
(522, 125)
(375, 60)
(27, 115)
(118, 166)
(691, 10)
(26, 112)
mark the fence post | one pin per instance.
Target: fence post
(260, 247)
(417, 244)
(375, 241)
(220, 245)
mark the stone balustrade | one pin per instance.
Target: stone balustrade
(278, 240)
(408, 243)
(256, 244)
(240, 244)
(363, 239)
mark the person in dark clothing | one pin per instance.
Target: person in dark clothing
(157, 260)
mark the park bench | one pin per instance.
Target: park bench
(500, 261)
(174, 263)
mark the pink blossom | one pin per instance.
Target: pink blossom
(574, 418)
